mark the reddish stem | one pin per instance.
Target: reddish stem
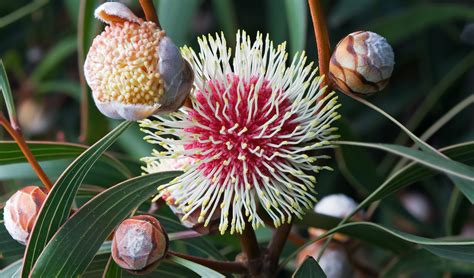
(221, 266)
(150, 12)
(322, 39)
(26, 151)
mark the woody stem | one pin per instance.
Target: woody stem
(221, 266)
(322, 39)
(150, 12)
(26, 151)
(249, 244)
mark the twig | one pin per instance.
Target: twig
(183, 235)
(249, 244)
(275, 247)
(322, 40)
(150, 12)
(221, 266)
(26, 151)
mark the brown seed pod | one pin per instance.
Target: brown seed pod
(133, 68)
(139, 244)
(362, 63)
(21, 211)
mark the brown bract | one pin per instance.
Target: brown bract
(139, 244)
(21, 211)
(362, 63)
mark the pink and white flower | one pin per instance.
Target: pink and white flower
(253, 131)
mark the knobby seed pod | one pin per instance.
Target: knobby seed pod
(133, 68)
(139, 244)
(362, 63)
(21, 211)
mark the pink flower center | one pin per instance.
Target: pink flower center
(237, 130)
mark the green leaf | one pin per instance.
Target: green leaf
(296, 12)
(421, 260)
(435, 162)
(43, 151)
(13, 270)
(419, 18)
(57, 205)
(225, 13)
(21, 12)
(63, 49)
(199, 269)
(112, 270)
(66, 87)
(74, 245)
(8, 246)
(7, 92)
(400, 242)
(176, 17)
(414, 172)
(309, 269)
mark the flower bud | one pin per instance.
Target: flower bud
(21, 211)
(133, 68)
(335, 205)
(334, 262)
(139, 244)
(362, 63)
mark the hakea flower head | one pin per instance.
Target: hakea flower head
(133, 68)
(252, 131)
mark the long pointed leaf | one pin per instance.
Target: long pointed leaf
(57, 205)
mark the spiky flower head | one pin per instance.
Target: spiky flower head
(253, 130)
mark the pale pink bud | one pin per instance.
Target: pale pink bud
(133, 68)
(334, 262)
(21, 211)
(139, 244)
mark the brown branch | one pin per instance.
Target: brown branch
(221, 266)
(150, 12)
(251, 250)
(275, 247)
(26, 151)
(322, 39)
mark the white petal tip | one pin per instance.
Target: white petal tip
(111, 12)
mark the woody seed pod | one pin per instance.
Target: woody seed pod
(133, 68)
(21, 211)
(362, 63)
(139, 244)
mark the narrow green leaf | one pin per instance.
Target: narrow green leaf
(421, 260)
(66, 87)
(112, 270)
(8, 246)
(62, 50)
(176, 17)
(21, 12)
(225, 13)
(7, 92)
(43, 151)
(309, 269)
(199, 269)
(452, 248)
(57, 205)
(418, 18)
(75, 244)
(11, 271)
(296, 12)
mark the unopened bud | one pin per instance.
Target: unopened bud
(362, 63)
(21, 211)
(139, 244)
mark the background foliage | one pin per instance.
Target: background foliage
(43, 42)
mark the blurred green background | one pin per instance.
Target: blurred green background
(43, 42)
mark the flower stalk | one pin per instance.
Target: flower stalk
(26, 151)
(150, 12)
(322, 39)
(221, 266)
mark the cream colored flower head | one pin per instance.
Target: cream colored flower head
(133, 68)
(255, 132)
